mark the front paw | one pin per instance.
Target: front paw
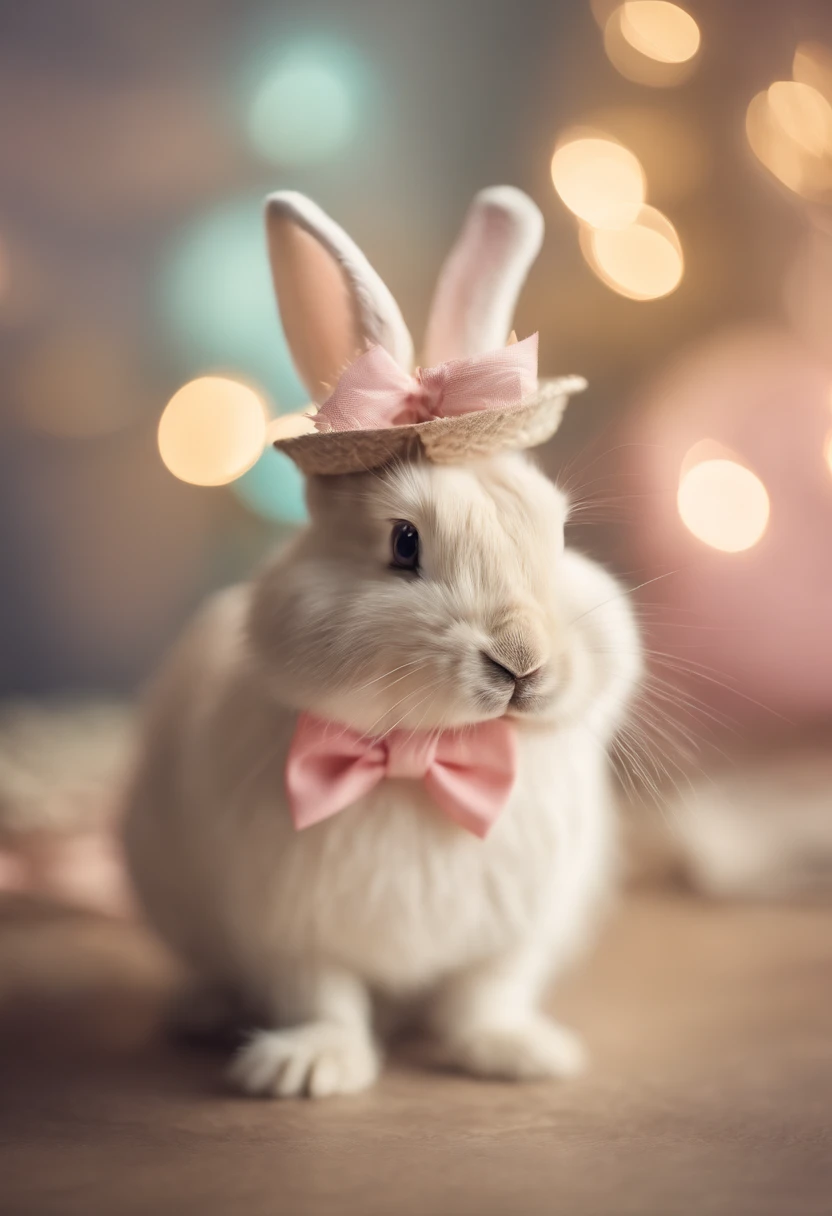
(315, 1061)
(536, 1049)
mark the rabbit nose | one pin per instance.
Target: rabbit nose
(521, 683)
(518, 643)
(494, 668)
(520, 680)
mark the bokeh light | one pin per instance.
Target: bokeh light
(812, 65)
(789, 129)
(290, 426)
(303, 105)
(808, 293)
(218, 302)
(599, 180)
(652, 42)
(754, 397)
(671, 146)
(772, 146)
(27, 281)
(643, 261)
(78, 382)
(660, 30)
(273, 489)
(723, 504)
(602, 10)
(702, 451)
(803, 113)
(212, 430)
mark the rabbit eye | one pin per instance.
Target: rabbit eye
(404, 546)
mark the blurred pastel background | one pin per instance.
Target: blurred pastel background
(682, 157)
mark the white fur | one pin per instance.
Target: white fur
(762, 830)
(332, 302)
(481, 279)
(389, 898)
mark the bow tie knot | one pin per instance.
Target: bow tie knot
(374, 392)
(468, 773)
(424, 400)
(409, 756)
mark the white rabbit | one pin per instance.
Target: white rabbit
(390, 900)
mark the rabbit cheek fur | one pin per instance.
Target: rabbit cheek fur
(389, 898)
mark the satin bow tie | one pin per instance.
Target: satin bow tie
(374, 392)
(468, 773)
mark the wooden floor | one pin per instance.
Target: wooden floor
(710, 1092)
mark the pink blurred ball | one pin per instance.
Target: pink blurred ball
(760, 619)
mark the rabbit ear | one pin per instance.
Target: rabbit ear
(478, 287)
(332, 303)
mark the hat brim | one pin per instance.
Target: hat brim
(454, 440)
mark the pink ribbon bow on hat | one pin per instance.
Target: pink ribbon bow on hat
(374, 392)
(469, 773)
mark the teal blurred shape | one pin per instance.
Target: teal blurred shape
(273, 489)
(218, 302)
(303, 101)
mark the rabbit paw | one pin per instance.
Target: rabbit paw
(315, 1061)
(536, 1049)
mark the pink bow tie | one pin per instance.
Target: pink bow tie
(469, 773)
(374, 392)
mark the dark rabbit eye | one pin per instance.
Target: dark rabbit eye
(404, 546)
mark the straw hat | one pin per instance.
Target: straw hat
(351, 347)
(441, 440)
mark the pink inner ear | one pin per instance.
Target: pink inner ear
(317, 312)
(479, 283)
